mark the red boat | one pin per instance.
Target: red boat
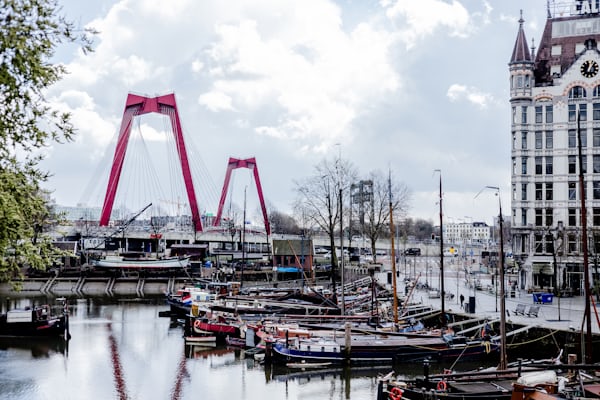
(221, 328)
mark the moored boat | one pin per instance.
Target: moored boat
(221, 328)
(307, 365)
(142, 263)
(38, 321)
(380, 349)
(207, 340)
(187, 301)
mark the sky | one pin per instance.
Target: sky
(401, 86)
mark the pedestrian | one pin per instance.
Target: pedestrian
(462, 300)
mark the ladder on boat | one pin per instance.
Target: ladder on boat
(403, 311)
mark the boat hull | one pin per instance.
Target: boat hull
(52, 327)
(381, 352)
(168, 263)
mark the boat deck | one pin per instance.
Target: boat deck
(479, 387)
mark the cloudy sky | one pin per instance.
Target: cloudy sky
(402, 85)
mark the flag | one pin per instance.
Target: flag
(186, 298)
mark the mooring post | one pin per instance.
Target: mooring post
(348, 341)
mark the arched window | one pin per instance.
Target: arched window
(596, 92)
(577, 92)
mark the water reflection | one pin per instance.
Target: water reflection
(42, 347)
(125, 350)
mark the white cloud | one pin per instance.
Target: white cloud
(197, 66)
(216, 101)
(320, 77)
(94, 130)
(458, 92)
(420, 19)
(284, 81)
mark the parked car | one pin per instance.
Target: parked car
(413, 251)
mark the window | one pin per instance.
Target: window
(524, 140)
(596, 111)
(596, 216)
(539, 217)
(523, 217)
(577, 92)
(538, 242)
(514, 115)
(572, 165)
(549, 191)
(514, 140)
(523, 114)
(572, 217)
(596, 190)
(514, 166)
(596, 92)
(524, 165)
(549, 243)
(549, 139)
(572, 243)
(572, 138)
(523, 191)
(583, 112)
(538, 192)
(549, 217)
(596, 164)
(539, 114)
(538, 140)
(596, 137)
(549, 117)
(519, 81)
(584, 164)
(572, 112)
(549, 165)
(572, 190)
(538, 165)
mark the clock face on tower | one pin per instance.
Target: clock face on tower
(589, 68)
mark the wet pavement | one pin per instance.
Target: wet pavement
(564, 313)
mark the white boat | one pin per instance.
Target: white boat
(208, 341)
(142, 263)
(307, 365)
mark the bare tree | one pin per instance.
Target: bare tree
(320, 198)
(377, 211)
(283, 223)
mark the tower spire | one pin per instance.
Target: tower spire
(521, 51)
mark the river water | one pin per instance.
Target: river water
(125, 350)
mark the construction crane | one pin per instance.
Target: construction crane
(129, 221)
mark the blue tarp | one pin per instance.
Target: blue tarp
(289, 269)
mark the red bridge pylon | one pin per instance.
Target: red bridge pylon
(139, 105)
(249, 163)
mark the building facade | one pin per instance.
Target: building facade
(555, 128)
(468, 233)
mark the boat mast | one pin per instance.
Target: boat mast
(443, 296)
(243, 240)
(503, 360)
(395, 294)
(586, 275)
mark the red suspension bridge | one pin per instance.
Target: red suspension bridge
(136, 106)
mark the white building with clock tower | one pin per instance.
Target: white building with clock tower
(555, 113)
